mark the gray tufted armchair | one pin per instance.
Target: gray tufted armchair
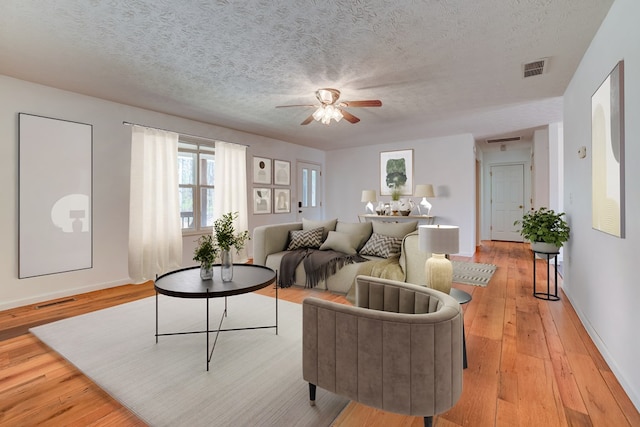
(399, 349)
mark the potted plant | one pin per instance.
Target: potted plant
(206, 253)
(545, 229)
(225, 238)
(396, 192)
(220, 242)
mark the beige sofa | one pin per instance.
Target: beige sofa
(270, 244)
(400, 349)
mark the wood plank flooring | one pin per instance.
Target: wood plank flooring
(531, 362)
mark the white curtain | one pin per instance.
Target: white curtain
(155, 234)
(231, 187)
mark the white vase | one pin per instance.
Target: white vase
(226, 266)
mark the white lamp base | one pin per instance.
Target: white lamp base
(424, 207)
(369, 208)
(439, 273)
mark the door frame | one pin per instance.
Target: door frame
(296, 204)
(486, 199)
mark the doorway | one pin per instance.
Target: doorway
(309, 185)
(507, 201)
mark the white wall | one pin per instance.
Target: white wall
(540, 168)
(448, 163)
(601, 273)
(111, 145)
(556, 167)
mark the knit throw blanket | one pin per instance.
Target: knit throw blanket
(318, 265)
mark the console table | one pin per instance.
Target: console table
(426, 219)
(186, 283)
(547, 257)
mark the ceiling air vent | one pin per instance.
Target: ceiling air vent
(511, 139)
(534, 68)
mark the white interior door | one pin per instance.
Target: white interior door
(309, 191)
(507, 201)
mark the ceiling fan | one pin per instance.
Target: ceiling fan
(330, 108)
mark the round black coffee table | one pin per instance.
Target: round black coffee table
(186, 283)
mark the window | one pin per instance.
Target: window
(196, 164)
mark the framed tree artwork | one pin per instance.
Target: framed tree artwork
(396, 171)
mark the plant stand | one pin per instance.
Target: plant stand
(546, 295)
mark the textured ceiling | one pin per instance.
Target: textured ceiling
(440, 67)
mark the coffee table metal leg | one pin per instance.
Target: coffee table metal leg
(156, 317)
(464, 348)
(207, 332)
(217, 331)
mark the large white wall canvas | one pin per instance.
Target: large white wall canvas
(607, 145)
(55, 184)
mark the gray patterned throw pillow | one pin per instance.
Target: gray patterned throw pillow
(381, 246)
(300, 239)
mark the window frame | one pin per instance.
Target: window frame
(186, 145)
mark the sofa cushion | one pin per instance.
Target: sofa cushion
(327, 226)
(299, 239)
(394, 229)
(381, 246)
(341, 242)
(363, 229)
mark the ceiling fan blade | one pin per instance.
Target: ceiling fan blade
(307, 120)
(296, 105)
(367, 103)
(349, 117)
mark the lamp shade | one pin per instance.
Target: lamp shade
(424, 190)
(368, 196)
(438, 239)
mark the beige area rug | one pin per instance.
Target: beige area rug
(255, 377)
(472, 273)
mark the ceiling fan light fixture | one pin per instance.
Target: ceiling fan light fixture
(325, 113)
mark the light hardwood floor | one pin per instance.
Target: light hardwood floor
(531, 362)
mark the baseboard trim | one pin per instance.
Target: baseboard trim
(62, 294)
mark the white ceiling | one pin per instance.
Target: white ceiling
(440, 67)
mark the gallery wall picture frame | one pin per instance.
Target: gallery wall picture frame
(281, 172)
(607, 154)
(396, 169)
(55, 196)
(261, 170)
(281, 200)
(261, 201)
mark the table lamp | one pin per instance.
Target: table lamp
(424, 191)
(369, 196)
(438, 240)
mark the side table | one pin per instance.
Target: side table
(462, 297)
(548, 296)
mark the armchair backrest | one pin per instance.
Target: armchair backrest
(401, 352)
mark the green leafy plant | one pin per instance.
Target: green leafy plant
(225, 235)
(206, 252)
(396, 193)
(544, 225)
